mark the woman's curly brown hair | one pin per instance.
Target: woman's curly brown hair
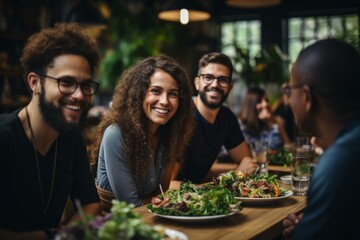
(127, 111)
(64, 38)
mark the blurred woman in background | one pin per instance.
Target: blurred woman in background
(258, 122)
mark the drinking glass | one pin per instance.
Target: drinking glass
(259, 149)
(300, 166)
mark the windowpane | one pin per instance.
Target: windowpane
(294, 28)
(345, 27)
(255, 31)
(245, 35)
(241, 32)
(309, 28)
(336, 27)
(352, 25)
(323, 29)
(228, 34)
(295, 47)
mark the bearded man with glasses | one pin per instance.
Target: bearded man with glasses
(217, 125)
(43, 154)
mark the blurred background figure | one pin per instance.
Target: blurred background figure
(282, 109)
(257, 122)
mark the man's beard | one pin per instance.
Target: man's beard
(55, 118)
(212, 105)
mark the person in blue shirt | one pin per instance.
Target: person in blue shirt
(324, 92)
(217, 125)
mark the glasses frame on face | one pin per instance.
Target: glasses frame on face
(74, 85)
(286, 90)
(222, 80)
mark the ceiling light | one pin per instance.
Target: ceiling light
(184, 11)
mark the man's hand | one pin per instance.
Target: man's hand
(290, 223)
(247, 166)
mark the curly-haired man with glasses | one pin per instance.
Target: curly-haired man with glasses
(43, 154)
(217, 125)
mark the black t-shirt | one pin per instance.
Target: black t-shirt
(206, 143)
(20, 202)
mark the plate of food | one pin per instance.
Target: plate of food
(265, 200)
(193, 218)
(259, 188)
(191, 203)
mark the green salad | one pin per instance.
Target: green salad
(192, 200)
(250, 185)
(280, 157)
(121, 224)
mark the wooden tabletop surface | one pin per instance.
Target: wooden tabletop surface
(252, 222)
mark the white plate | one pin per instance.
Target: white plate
(193, 218)
(264, 200)
(175, 235)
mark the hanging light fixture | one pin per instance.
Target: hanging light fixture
(86, 15)
(184, 11)
(252, 3)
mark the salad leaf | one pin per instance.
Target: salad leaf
(121, 224)
(192, 200)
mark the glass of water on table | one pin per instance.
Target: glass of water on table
(300, 166)
(259, 149)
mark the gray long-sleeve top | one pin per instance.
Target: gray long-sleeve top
(114, 174)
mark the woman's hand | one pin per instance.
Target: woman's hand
(290, 223)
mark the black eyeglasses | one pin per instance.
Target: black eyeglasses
(209, 79)
(68, 85)
(287, 89)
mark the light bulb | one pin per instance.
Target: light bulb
(184, 16)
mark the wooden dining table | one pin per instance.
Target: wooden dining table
(254, 221)
(218, 168)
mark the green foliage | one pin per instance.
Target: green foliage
(132, 36)
(121, 224)
(269, 66)
(281, 157)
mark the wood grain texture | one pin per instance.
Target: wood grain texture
(253, 221)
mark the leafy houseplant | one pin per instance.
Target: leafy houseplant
(132, 35)
(268, 69)
(269, 66)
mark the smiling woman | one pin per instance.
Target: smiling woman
(151, 108)
(162, 99)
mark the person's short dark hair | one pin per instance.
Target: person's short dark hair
(332, 70)
(64, 38)
(215, 57)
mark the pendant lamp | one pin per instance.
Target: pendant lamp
(184, 11)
